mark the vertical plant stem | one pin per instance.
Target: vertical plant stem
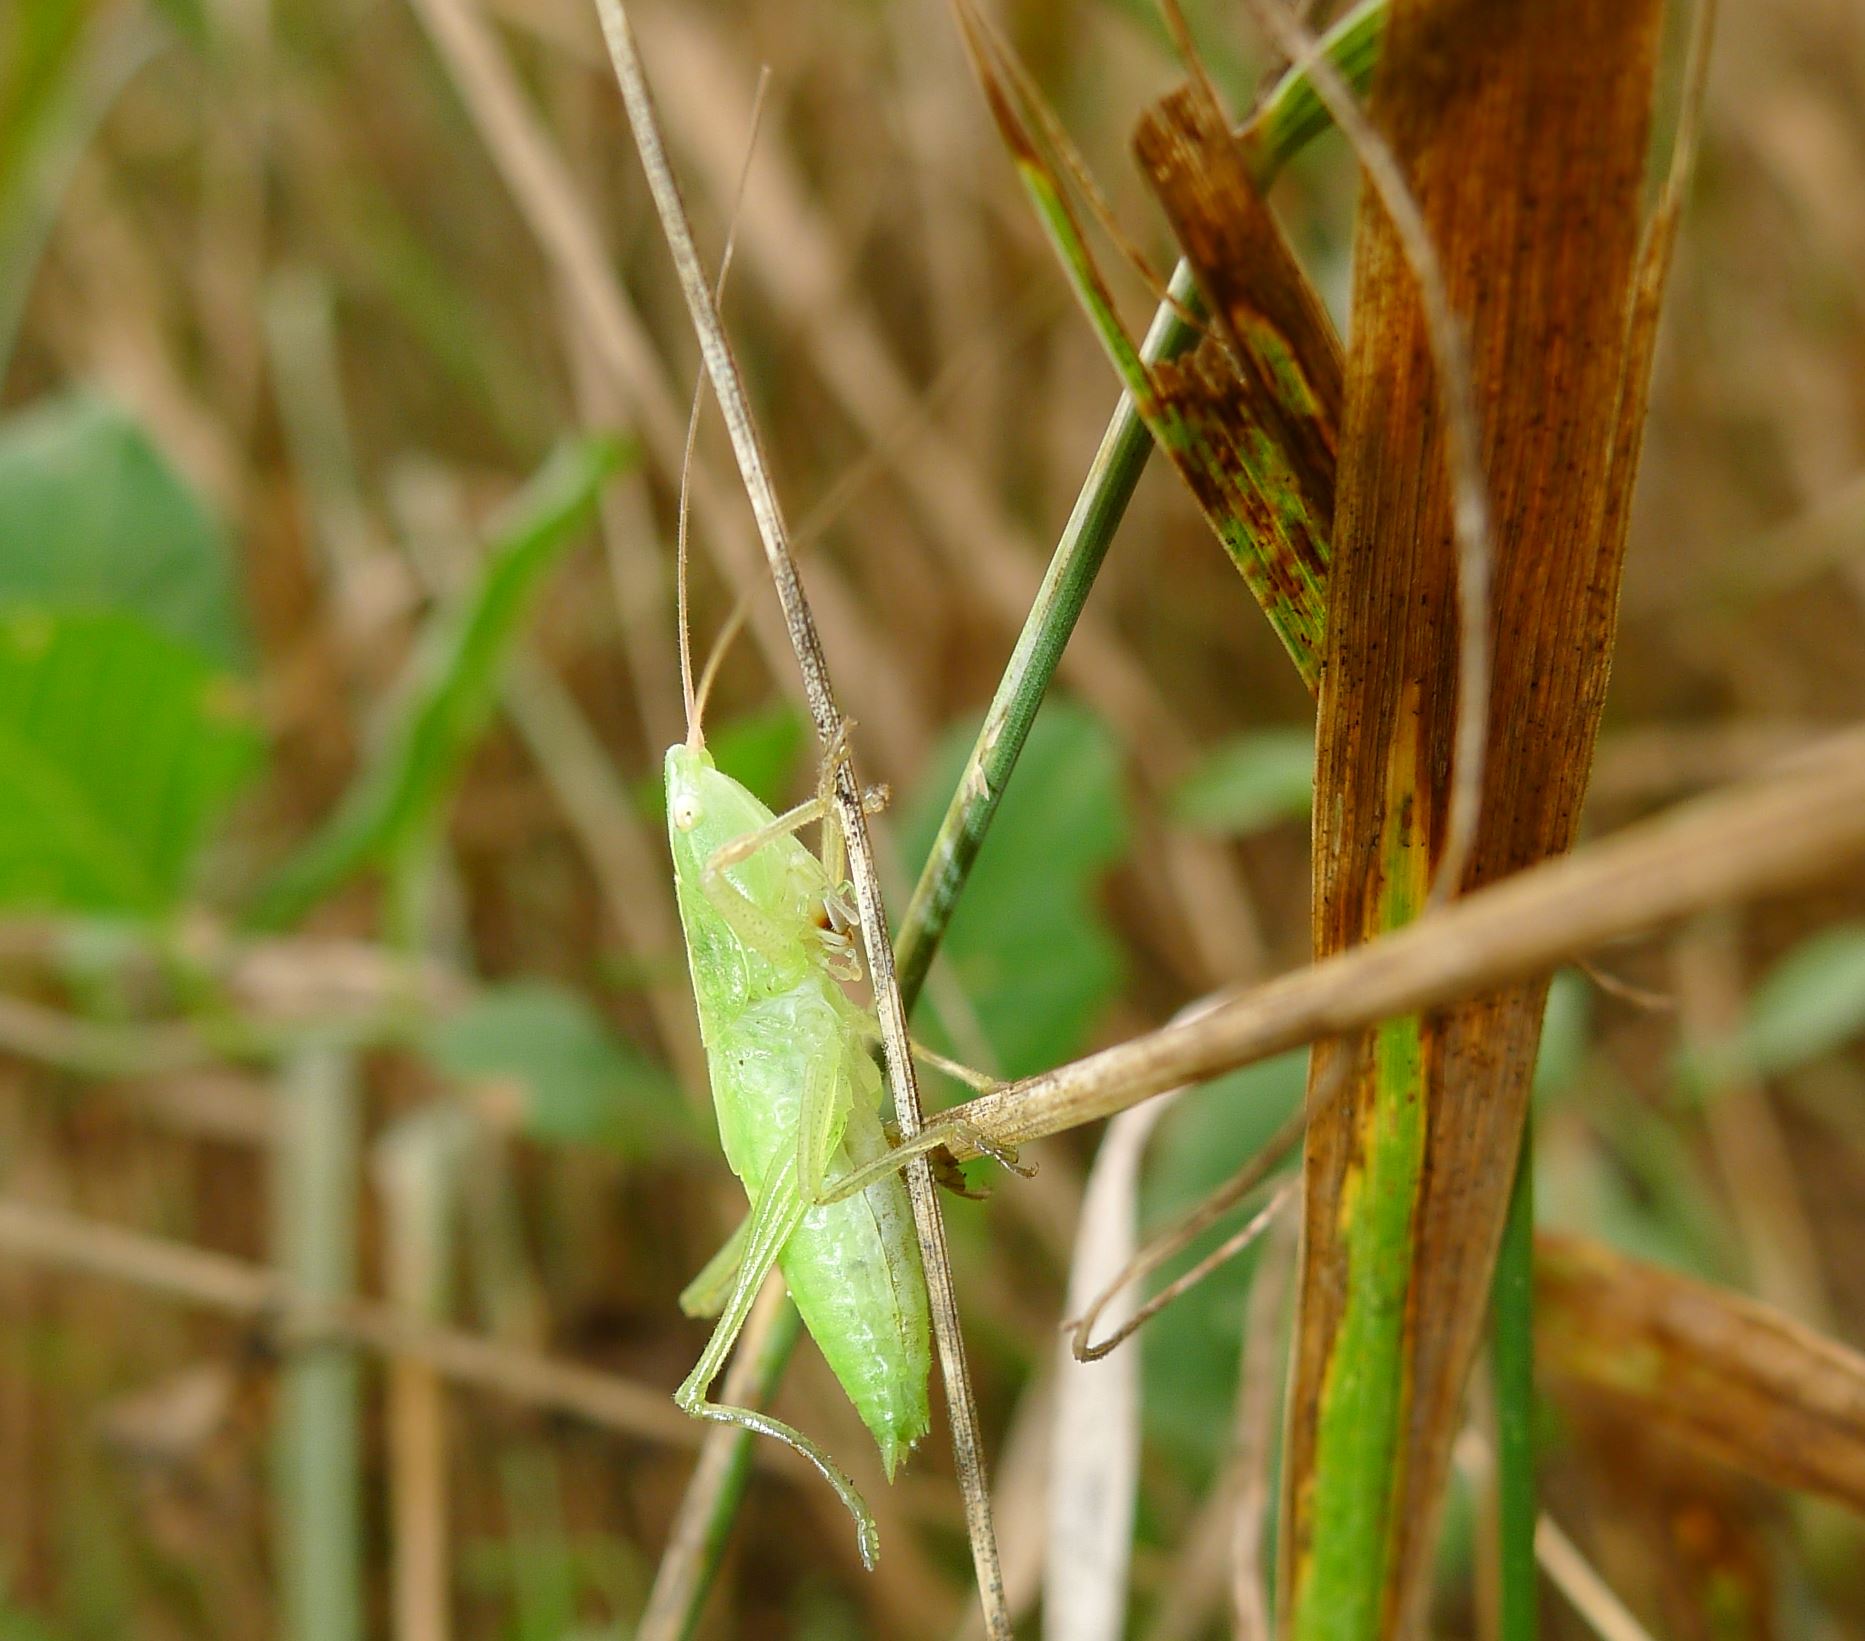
(1512, 1352)
(317, 1490)
(415, 1164)
(1102, 503)
(696, 1545)
(728, 385)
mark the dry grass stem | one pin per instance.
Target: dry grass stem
(1589, 1594)
(70, 1242)
(851, 812)
(1773, 836)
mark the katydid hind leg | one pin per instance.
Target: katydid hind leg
(778, 1212)
(775, 1216)
(821, 1117)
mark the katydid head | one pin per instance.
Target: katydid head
(706, 808)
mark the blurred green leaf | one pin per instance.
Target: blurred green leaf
(1027, 941)
(1249, 783)
(1812, 1002)
(92, 517)
(581, 1083)
(398, 798)
(1632, 1178)
(118, 749)
(1193, 1346)
(1566, 1035)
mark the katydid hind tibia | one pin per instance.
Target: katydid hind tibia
(798, 1098)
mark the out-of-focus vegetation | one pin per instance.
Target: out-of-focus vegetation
(336, 663)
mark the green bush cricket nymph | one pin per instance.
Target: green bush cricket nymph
(798, 1098)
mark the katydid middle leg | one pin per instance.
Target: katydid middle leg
(946, 1131)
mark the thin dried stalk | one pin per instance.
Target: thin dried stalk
(1590, 1595)
(747, 445)
(1784, 833)
(69, 1242)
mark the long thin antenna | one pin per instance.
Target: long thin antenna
(696, 702)
(722, 367)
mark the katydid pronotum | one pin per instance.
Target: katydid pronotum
(770, 944)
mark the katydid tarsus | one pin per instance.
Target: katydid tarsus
(770, 946)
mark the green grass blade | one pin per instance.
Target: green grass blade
(1411, 1161)
(400, 794)
(1512, 1353)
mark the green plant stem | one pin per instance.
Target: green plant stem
(318, 1482)
(1512, 1352)
(1291, 116)
(704, 1524)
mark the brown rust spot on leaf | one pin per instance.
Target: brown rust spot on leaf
(1257, 403)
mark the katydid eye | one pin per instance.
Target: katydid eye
(686, 811)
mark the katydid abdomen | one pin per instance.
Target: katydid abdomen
(788, 1056)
